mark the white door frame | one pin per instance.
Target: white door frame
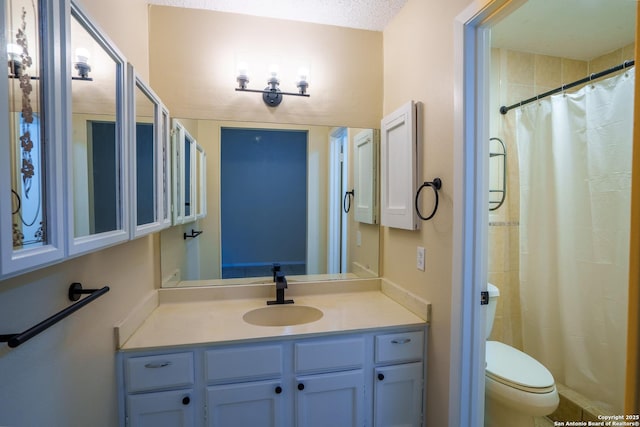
(336, 257)
(472, 49)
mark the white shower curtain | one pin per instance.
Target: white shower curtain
(575, 177)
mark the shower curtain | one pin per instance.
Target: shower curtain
(574, 155)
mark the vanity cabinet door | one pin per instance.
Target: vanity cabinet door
(245, 405)
(162, 409)
(398, 395)
(335, 399)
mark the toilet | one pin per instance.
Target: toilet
(517, 386)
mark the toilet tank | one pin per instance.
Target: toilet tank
(494, 293)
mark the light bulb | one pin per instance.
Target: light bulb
(13, 50)
(243, 69)
(273, 71)
(303, 74)
(82, 55)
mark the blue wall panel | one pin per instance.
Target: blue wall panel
(263, 182)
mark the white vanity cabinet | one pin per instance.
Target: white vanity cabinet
(330, 381)
(247, 385)
(372, 378)
(398, 390)
(159, 390)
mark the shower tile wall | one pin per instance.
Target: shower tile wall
(516, 76)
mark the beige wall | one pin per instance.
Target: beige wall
(126, 24)
(66, 375)
(419, 65)
(193, 55)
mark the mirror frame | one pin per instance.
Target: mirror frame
(165, 160)
(160, 141)
(83, 244)
(13, 261)
(179, 172)
(201, 179)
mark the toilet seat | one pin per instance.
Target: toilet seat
(513, 368)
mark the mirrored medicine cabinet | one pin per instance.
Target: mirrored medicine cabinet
(150, 150)
(31, 207)
(85, 151)
(96, 150)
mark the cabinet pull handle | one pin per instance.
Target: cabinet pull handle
(155, 365)
(380, 377)
(300, 386)
(278, 390)
(186, 400)
(401, 341)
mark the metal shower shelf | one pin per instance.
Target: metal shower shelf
(501, 189)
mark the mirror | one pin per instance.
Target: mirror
(149, 152)
(98, 198)
(184, 169)
(313, 171)
(30, 181)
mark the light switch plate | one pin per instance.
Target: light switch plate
(420, 258)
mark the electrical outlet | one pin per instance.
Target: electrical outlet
(358, 238)
(420, 258)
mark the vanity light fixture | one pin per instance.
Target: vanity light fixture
(272, 95)
(14, 58)
(82, 64)
(17, 66)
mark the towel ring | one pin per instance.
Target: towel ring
(346, 201)
(436, 184)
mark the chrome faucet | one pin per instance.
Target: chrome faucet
(281, 285)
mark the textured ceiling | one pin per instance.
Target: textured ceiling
(362, 14)
(577, 29)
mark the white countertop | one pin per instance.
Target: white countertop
(199, 319)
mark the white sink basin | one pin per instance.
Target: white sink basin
(282, 315)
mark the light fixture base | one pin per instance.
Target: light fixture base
(272, 97)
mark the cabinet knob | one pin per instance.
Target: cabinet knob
(278, 390)
(186, 400)
(380, 377)
(300, 386)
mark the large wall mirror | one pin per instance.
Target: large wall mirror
(274, 194)
(98, 202)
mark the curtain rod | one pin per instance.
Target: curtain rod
(625, 64)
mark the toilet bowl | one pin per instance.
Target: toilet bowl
(517, 387)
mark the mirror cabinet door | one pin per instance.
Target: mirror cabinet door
(177, 190)
(30, 135)
(201, 182)
(183, 169)
(147, 157)
(96, 154)
(165, 170)
(189, 173)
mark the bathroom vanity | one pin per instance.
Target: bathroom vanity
(194, 361)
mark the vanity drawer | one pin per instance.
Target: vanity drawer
(399, 347)
(159, 372)
(243, 363)
(329, 355)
